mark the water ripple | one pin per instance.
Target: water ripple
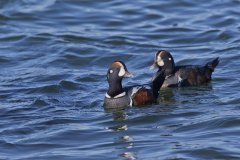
(54, 57)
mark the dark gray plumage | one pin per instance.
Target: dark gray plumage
(120, 102)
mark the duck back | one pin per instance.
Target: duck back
(191, 75)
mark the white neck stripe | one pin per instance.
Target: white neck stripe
(106, 95)
(120, 95)
(117, 96)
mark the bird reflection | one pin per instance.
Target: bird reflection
(166, 95)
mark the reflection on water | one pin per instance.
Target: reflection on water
(166, 95)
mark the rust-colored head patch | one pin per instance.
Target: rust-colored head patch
(117, 64)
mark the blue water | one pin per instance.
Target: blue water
(54, 55)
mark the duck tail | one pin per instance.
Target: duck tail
(213, 64)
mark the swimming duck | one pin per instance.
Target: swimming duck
(119, 97)
(187, 75)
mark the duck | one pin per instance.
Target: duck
(119, 97)
(181, 76)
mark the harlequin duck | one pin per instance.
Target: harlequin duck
(187, 75)
(119, 97)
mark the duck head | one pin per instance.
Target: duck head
(116, 72)
(164, 61)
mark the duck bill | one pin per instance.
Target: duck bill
(154, 65)
(128, 74)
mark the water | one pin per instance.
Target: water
(54, 55)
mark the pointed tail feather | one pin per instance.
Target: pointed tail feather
(212, 65)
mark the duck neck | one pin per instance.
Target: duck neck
(168, 70)
(115, 88)
(157, 82)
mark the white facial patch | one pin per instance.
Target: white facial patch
(122, 71)
(169, 59)
(160, 61)
(111, 71)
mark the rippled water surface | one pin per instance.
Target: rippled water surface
(54, 55)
